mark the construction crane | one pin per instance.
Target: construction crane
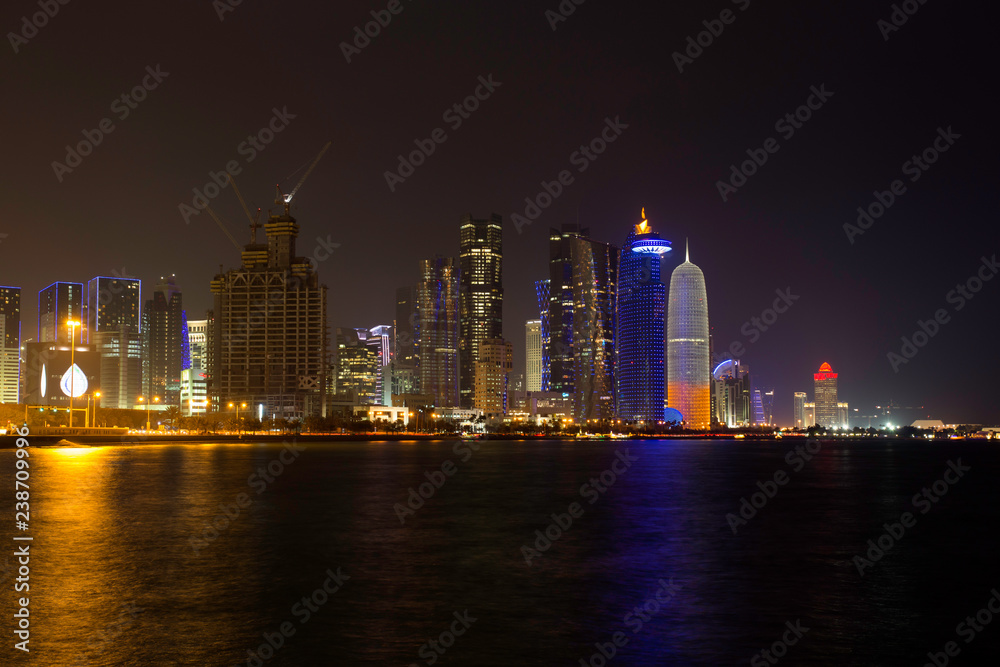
(223, 227)
(286, 200)
(254, 222)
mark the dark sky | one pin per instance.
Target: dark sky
(118, 210)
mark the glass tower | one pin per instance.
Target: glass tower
(437, 301)
(641, 299)
(58, 303)
(688, 388)
(481, 297)
(825, 396)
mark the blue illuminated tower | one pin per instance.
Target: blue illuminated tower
(641, 299)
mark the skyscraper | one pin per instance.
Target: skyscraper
(111, 303)
(799, 410)
(492, 386)
(57, 304)
(437, 299)
(641, 297)
(594, 277)
(560, 307)
(269, 331)
(542, 290)
(10, 344)
(825, 397)
(358, 366)
(481, 293)
(194, 389)
(163, 329)
(688, 345)
(533, 355)
(122, 359)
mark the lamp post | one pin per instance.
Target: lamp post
(156, 399)
(238, 406)
(97, 396)
(72, 325)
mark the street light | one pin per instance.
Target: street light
(238, 405)
(156, 399)
(72, 325)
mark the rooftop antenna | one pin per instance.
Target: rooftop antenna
(687, 254)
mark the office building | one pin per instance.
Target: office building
(121, 364)
(533, 355)
(542, 292)
(269, 343)
(688, 379)
(194, 385)
(843, 410)
(111, 303)
(492, 385)
(437, 299)
(733, 394)
(640, 336)
(559, 313)
(810, 414)
(594, 274)
(197, 345)
(163, 328)
(480, 294)
(57, 304)
(825, 397)
(358, 367)
(799, 410)
(10, 344)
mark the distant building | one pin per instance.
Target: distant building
(843, 410)
(799, 410)
(533, 355)
(810, 414)
(541, 406)
(194, 385)
(10, 344)
(480, 294)
(437, 298)
(269, 329)
(492, 386)
(406, 327)
(163, 328)
(825, 397)
(733, 394)
(359, 369)
(542, 290)
(57, 304)
(688, 379)
(640, 326)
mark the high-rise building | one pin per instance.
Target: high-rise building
(825, 396)
(380, 338)
(542, 291)
(594, 275)
(688, 384)
(198, 344)
(843, 409)
(111, 303)
(533, 355)
(269, 332)
(121, 363)
(358, 367)
(480, 294)
(640, 341)
(559, 314)
(57, 304)
(10, 344)
(406, 327)
(733, 394)
(437, 298)
(163, 330)
(799, 410)
(194, 386)
(492, 386)
(810, 414)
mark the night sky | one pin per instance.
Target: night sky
(784, 228)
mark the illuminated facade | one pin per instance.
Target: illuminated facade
(799, 410)
(10, 344)
(592, 355)
(57, 304)
(194, 385)
(825, 397)
(492, 385)
(480, 294)
(111, 303)
(843, 410)
(121, 354)
(733, 394)
(559, 313)
(437, 299)
(162, 320)
(688, 380)
(542, 290)
(533, 355)
(640, 301)
(358, 368)
(268, 334)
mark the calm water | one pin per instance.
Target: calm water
(116, 579)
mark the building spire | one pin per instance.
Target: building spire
(687, 253)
